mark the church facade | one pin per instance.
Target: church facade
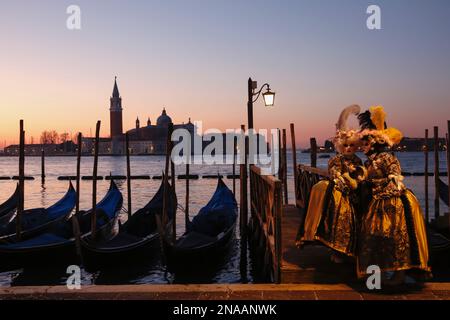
(147, 139)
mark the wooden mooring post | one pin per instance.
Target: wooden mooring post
(448, 164)
(172, 175)
(43, 166)
(436, 172)
(234, 165)
(426, 152)
(21, 205)
(284, 159)
(294, 157)
(186, 207)
(243, 186)
(169, 165)
(313, 144)
(77, 182)
(75, 224)
(280, 157)
(166, 176)
(94, 182)
(127, 147)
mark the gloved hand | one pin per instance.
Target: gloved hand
(352, 183)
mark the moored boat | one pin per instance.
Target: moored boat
(58, 244)
(138, 238)
(209, 233)
(39, 220)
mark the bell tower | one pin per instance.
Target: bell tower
(115, 112)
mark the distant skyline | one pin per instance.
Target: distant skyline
(194, 57)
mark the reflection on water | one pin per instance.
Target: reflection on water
(236, 265)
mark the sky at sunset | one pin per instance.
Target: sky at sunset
(194, 57)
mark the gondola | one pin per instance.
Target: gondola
(58, 245)
(8, 208)
(209, 233)
(37, 221)
(138, 238)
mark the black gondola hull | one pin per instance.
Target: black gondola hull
(95, 258)
(63, 208)
(137, 241)
(179, 258)
(54, 255)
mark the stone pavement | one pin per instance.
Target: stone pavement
(429, 291)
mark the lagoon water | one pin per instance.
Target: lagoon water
(201, 190)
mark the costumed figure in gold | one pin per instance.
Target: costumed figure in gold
(331, 217)
(392, 234)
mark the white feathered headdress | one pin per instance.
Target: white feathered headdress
(343, 133)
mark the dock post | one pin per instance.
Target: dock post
(43, 167)
(20, 206)
(436, 172)
(234, 165)
(280, 156)
(448, 163)
(186, 207)
(75, 225)
(427, 205)
(166, 179)
(127, 146)
(243, 206)
(294, 158)
(172, 175)
(313, 143)
(94, 182)
(243, 187)
(79, 142)
(284, 157)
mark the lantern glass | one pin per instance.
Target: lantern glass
(269, 98)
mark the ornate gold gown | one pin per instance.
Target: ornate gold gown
(331, 215)
(392, 234)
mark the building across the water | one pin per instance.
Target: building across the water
(143, 139)
(64, 148)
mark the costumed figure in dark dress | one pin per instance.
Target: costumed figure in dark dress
(392, 234)
(331, 217)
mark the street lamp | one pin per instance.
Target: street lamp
(269, 99)
(268, 96)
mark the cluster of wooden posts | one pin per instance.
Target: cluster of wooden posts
(445, 220)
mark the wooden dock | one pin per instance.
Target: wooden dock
(273, 230)
(312, 263)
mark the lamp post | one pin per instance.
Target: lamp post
(269, 100)
(268, 96)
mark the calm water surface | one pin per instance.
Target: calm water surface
(201, 190)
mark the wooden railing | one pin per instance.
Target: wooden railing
(306, 177)
(266, 214)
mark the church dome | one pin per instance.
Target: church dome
(163, 120)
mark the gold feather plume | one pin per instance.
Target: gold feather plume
(378, 117)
